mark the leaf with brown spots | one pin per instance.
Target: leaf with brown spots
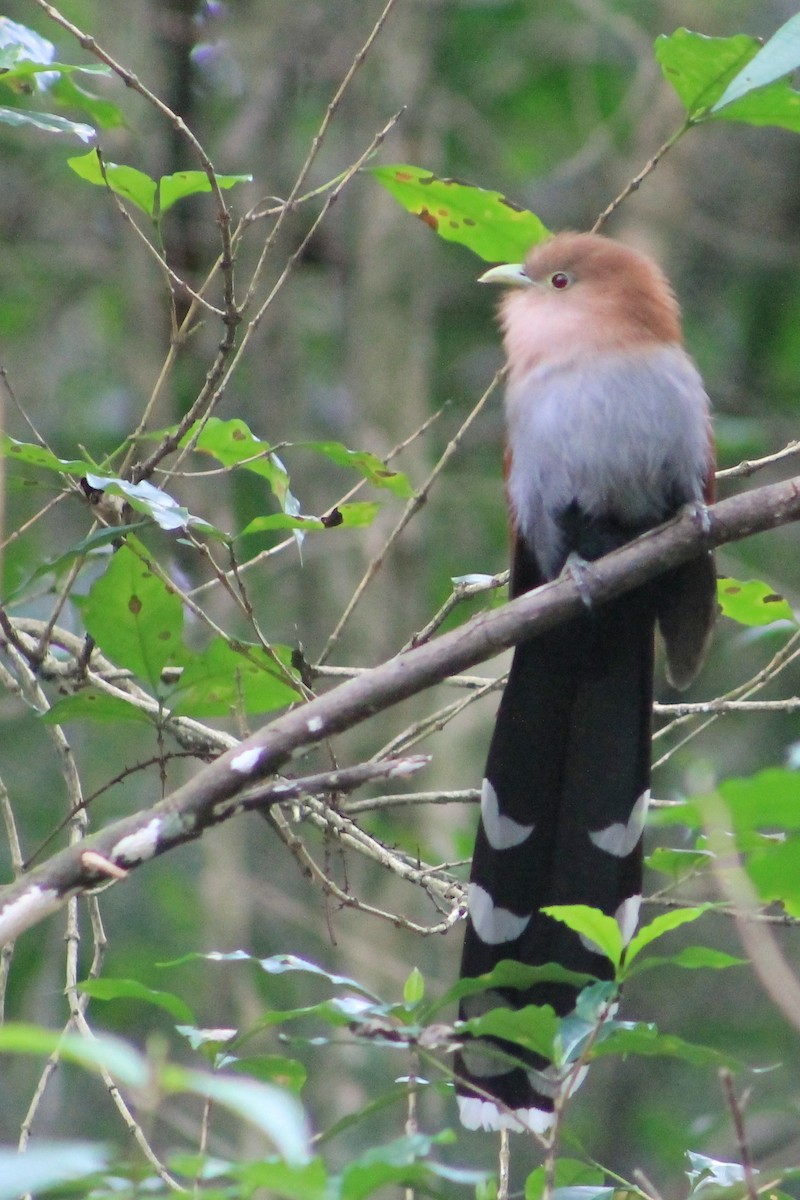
(489, 224)
(752, 602)
(225, 679)
(357, 514)
(135, 618)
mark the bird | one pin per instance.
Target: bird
(608, 434)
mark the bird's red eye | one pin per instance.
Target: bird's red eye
(560, 280)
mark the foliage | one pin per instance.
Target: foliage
(132, 622)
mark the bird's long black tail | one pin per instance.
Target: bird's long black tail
(562, 810)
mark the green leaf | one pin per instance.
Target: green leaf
(343, 516)
(699, 67)
(691, 957)
(127, 182)
(20, 42)
(227, 678)
(767, 800)
(135, 617)
(98, 1052)
(46, 1164)
(48, 123)
(89, 546)
(340, 1012)
(271, 1068)
(43, 74)
(209, 1041)
(414, 988)
(277, 1113)
(533, 1027)
(579, 1192)
(775, 60)
(132, 989)
(157, 504)
(777, 105)
(38, 456)
(399, 1163)
(103, 112)
(568, 1173)
(508, 974)
(307, 1181)
(280, 964)
(775, 870)
(661, 925)
(150, 196)
(489, 224)
(189, 183)
(368, 465)
(232, 443)
(707, 1171)
(91, 704)
(678, 863)
(145, 498)
(592, 924)
(752, 602)
(644, 1039)
(713, 77)
(360, 1180)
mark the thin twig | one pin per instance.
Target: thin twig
(744, 470)
(130, 80)
(412, 508)
(374, 803)
(435, 722)
(316, 142)
(152, 250)
(778, 663)
(649, 1189)
(503, 1165)
(289, 542)
(639, 179)
(460, 593)
(737, 1116)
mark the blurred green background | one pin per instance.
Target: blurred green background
(379, 327)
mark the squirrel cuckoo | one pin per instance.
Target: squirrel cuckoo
(608, 435)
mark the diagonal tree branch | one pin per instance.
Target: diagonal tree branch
(207, 798)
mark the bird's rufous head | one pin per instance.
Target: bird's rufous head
(581, 293)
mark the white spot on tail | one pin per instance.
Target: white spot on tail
(485, 1114)
(138, 846)
(246, 761)
(501, 832)
(627, 917)
(26, 910)
(314, 724)
(492, 924)
(619, 839)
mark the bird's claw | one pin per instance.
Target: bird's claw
(698, 511)
(582, 575)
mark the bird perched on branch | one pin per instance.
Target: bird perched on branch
(608, 435)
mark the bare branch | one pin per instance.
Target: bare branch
(212, 795)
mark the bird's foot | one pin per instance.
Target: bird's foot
(581, 573)
(698, 511)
